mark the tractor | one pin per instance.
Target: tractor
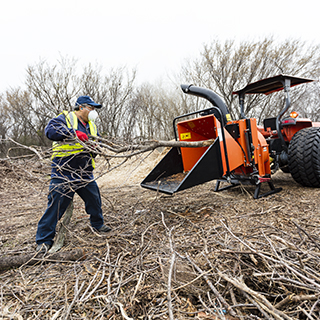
(241, 152)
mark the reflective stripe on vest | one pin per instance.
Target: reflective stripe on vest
(66, 148)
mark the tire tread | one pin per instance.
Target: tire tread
(304, 157)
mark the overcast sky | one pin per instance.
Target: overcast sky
(153, 36)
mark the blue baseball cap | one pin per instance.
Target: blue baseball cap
(87, 100)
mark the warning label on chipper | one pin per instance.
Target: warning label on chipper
(185, 136)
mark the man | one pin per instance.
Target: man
(72, 170)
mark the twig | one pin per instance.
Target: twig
(171, 317)
(292, 298)
(280, 261)
(314, 305)
(137, 286)
(215, 291)
(76, 295)
(173, 256)
(123, 312)
(235, 302)
(263, 302)
(307, 234)
(257, 305)
(26, 147)
(306, 313)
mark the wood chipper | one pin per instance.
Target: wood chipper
(242, 152)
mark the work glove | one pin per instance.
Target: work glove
(82, 136)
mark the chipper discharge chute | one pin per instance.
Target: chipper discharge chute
(238, 152)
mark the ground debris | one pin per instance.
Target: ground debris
(193, 255)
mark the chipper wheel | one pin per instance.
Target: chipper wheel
(304, 157)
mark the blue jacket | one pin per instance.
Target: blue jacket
(74, 167)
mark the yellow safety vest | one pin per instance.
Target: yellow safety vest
(66, 148)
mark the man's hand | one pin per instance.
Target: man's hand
(82, 136)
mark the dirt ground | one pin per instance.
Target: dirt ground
(164, 251)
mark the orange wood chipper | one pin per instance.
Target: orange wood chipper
(242, 151)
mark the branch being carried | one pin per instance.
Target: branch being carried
(101, 146)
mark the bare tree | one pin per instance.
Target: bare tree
(54, 87)
(4, 125)
(114, 91)
(229, 66)
(156, 108)
(309, 106)
(147, 111)
(26, 123)
(20, 121)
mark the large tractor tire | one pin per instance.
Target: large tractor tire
(304, 157)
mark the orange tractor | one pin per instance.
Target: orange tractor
(242, 152)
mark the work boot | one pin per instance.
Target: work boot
(43, 248)
(104, 228)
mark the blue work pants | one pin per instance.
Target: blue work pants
(61, 193)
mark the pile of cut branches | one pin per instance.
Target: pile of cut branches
(195, 255)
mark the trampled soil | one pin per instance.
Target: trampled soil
(147, 267)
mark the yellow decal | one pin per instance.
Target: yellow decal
(185, 136)
(228, 117)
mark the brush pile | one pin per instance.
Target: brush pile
(194, 255)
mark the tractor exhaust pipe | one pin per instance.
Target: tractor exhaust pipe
(211, 97)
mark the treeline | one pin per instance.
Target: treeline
(146, 111)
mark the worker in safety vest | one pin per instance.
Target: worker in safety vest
(72, 170)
